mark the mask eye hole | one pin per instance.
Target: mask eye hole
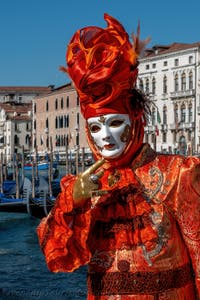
(94, 128)
(116, 123)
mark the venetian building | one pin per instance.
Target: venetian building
(170, 76)
(58, 123)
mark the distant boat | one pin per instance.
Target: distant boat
(8, 200)
(40, 165)
(38, 206)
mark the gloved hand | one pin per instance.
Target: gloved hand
(87, 182)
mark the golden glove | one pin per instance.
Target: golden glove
(87, 182)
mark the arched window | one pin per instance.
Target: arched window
(47, 105)
(183, 82)
(190, 80)
(153, 86)
(176, 85)
(165, 84)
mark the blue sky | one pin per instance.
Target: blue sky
(34, 33)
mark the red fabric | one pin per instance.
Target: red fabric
(103, 66)
(133, 228)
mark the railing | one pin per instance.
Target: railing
(182, 94)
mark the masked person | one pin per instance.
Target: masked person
(133, 216)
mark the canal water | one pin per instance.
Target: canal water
(23, 271)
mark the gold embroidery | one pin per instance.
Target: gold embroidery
(114, 178)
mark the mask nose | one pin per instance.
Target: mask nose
(106, 134)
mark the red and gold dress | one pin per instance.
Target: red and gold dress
(141, 240)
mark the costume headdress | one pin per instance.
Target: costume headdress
(103, 66)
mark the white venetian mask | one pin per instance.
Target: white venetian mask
(110, 133)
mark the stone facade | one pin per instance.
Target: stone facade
(170, 76)
(58, 123)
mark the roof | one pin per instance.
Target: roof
(20, 118)
(18, 108)
(26, 89)
(164, 49)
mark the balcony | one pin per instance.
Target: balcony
(182, 126)
(182, 94)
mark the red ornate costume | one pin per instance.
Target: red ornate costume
(141, 240)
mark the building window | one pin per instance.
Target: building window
(176, 115)
(47, 106)
(165, 63)
(65, 121)
(56, 122)
(61, 103)
(67, 102)
(147, 86)
(164, 115)
(183, 113)
(165, 84)
(176, 87)
(174, 137)
(61, 122)
(164, 137)
(190, 59)
(141, 85)
(154, 66)
(77, 138)
(47, 123)
(176, 62)
(183, 82)
(16, 140)
(153, 117)
(77, 101)
(189, 136)
(190, 113)
(147, 67)
(35, 108)
(56, 104)
(190, 81)
(77, 119)
(153, 86)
